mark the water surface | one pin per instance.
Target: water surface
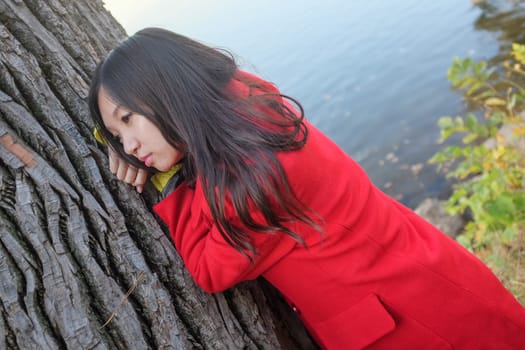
(371, 74)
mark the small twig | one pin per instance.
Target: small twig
(124, 298)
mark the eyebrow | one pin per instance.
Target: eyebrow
(114, 114)
(117, 107)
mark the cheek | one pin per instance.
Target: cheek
(170, 153)
(177, 155)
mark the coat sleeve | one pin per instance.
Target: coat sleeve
(213, 263)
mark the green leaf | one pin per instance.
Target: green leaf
(501, 208)
(460, 82)
(445, 122)
(466, 64)
(519, 200)
(458, 121)
(518, 51)
(469, 138)
(483, 131)
(496, 118)
(474, 88)
(479, 68)
(485, 94)
(471, 122)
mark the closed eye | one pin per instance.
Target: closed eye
(126, 117)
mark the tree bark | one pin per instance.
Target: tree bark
(84, 264)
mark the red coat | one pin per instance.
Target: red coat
(379, 276)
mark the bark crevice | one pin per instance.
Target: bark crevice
(74, 240)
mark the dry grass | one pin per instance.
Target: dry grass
(508, 263)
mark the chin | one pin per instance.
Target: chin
(163, 168)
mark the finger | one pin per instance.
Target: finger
(142, 177)
(131, 175)
(140, 180)
(122, 170)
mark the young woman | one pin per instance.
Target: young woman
(256, 190)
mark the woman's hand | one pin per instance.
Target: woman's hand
(126, 172)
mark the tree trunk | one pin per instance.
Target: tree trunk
(84, 264)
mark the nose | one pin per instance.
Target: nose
(130, 145)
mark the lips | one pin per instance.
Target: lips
(148, 160)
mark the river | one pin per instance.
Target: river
(370, 73)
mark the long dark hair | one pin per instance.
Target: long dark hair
(229, 140)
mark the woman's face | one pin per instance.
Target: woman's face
(138, 135)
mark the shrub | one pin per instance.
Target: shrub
(491, 186)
